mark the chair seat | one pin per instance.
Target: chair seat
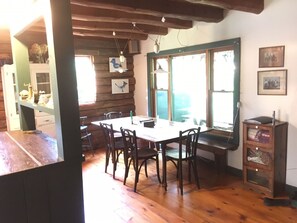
(173, 152)
(144, 153)
(119, 145)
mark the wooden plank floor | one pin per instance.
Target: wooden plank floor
(222, 198)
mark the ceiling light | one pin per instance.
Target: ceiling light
(122, 57)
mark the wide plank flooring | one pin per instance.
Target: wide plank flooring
(222, 197)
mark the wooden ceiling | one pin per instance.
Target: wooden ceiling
(100, 18)
(136, 19)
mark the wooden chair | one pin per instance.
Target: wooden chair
(113, 114)
(86, 136)
(137, 156)
(114, 148)
(185, 151)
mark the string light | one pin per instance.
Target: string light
(157, 41)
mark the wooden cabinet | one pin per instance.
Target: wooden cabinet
(265, 156)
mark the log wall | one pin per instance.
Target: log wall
(105, 100)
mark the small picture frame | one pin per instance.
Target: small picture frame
(271, 56)
(272, 82)
(120, 86)
(116, 66)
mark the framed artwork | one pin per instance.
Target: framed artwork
(116, 66)
(272, 82)
(120, 86)
(272, 56)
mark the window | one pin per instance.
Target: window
(201, 86)
(86, 79)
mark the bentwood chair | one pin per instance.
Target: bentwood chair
(185, 151)
(137, 156)
(114, 148)
(113, 114)
(86, 136)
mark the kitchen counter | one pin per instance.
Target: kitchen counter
(23, 150)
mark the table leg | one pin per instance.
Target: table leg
(164, 174)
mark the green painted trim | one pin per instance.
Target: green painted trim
(236, 43)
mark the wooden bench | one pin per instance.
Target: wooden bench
(219, 148)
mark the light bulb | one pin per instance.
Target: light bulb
(156, 47)
(122, 57)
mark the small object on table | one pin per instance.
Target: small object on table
(131, 116)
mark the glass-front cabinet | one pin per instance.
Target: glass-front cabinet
(264, 157)
(40, 78)
(40, 81)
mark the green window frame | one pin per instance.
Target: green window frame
(220, 88)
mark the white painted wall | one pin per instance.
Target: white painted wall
(276, 25)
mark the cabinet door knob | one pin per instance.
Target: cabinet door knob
(257, 170)
(257, 148)
(256, 126)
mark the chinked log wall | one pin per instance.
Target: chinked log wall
(105, 100)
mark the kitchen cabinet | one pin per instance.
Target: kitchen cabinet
(40, 81)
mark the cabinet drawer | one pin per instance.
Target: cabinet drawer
(258, 177)
(261, 135)
(258, 157)
(45, 120)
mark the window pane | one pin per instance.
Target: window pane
(222, 110)
(86, 80)
(223, 71)
(162, 81)
(162, 104)
(162, 78)
(189, 88)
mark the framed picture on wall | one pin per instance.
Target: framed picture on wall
(116, 66)
(120, 86)
(272, 82)
(272, 56)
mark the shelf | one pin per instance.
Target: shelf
(38, 107)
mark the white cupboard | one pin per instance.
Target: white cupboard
(40, 81)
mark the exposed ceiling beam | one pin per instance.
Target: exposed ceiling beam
(103, 15)
(109, 34)
(159, 8)
(253, 6)
(119, 27)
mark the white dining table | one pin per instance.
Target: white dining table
(163, 132)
